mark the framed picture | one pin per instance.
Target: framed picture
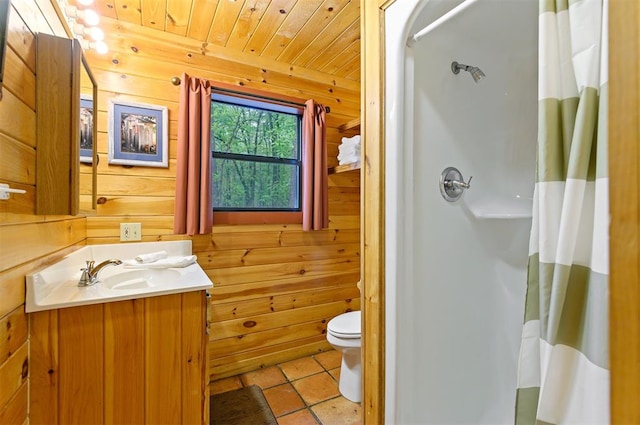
(86, 129)
(138, 134)
(5, 5)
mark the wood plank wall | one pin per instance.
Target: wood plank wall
(275, 287)
(27, 241)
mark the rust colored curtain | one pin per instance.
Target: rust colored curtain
(193, 207)
(315, 190)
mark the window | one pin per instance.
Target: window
(256, 158)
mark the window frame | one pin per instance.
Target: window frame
(262, 101)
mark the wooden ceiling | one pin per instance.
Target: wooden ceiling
(320, 35)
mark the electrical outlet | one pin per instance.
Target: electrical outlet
(130, 231)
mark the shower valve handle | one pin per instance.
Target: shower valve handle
(460, 185)
(452, 184)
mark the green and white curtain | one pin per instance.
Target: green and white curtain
(563, 375)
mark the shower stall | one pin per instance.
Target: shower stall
(456, 265)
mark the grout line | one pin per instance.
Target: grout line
(306, 406)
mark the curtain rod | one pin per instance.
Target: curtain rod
(176, 82)
(412, 40)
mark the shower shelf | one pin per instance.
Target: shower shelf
(351, 125)
(504, 209)
(344, 168)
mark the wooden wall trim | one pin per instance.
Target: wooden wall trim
(372, 213)
(624, 167)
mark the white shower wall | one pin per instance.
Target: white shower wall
(456, 272)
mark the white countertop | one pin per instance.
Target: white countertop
(56, 286)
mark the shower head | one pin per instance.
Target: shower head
(475, 72)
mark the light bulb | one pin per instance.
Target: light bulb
(90, 17)
(101, 47)
(96, 33)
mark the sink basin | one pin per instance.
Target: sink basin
(56, 286)
(138, 279)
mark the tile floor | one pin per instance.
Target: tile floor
(300, 392)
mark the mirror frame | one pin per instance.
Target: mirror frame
(94, 134)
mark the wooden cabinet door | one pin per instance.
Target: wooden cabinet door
(135, 361)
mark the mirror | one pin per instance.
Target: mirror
(88, 139)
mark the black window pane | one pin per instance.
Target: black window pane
(244, 130)
(250, 185)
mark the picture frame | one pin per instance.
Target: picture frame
(138, 134)
(5, 6)
(86, 129)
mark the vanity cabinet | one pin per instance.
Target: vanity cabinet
(138, 361)
(62, 77)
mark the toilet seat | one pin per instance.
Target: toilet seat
(346, 325)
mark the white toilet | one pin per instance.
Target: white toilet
(344, 334)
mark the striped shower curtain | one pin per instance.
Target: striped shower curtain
(563, 375)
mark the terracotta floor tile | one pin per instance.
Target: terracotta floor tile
(329, 359)
(301, 417)
(335, 373)
(338, 411)
(300, 368)
(283, 399)
(317, 388)
(264, 378)
(224, 385)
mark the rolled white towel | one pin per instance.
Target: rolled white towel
(343, 146)
(348, 160)
(349, 150)
(351, 140)
(348, 153)
(165, 263)
(151, 257)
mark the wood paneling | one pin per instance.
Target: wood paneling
(124, 352)
(13, 373)
(269, 38)
(45, 374)
(27, 241)
(13, 333)
(286, 280)
(15, 411)
(373, 261)
(135, 361)
(57, 172)
(195, 388)
(81, 364)
(289, 31)
(624, 166)
(162, 365)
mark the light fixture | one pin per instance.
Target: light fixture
(95, 33)
(88, 16)
(83, 24)
(99, 46)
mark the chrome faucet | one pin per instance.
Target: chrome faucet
(90, 274)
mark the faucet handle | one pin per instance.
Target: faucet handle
(86, 279)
